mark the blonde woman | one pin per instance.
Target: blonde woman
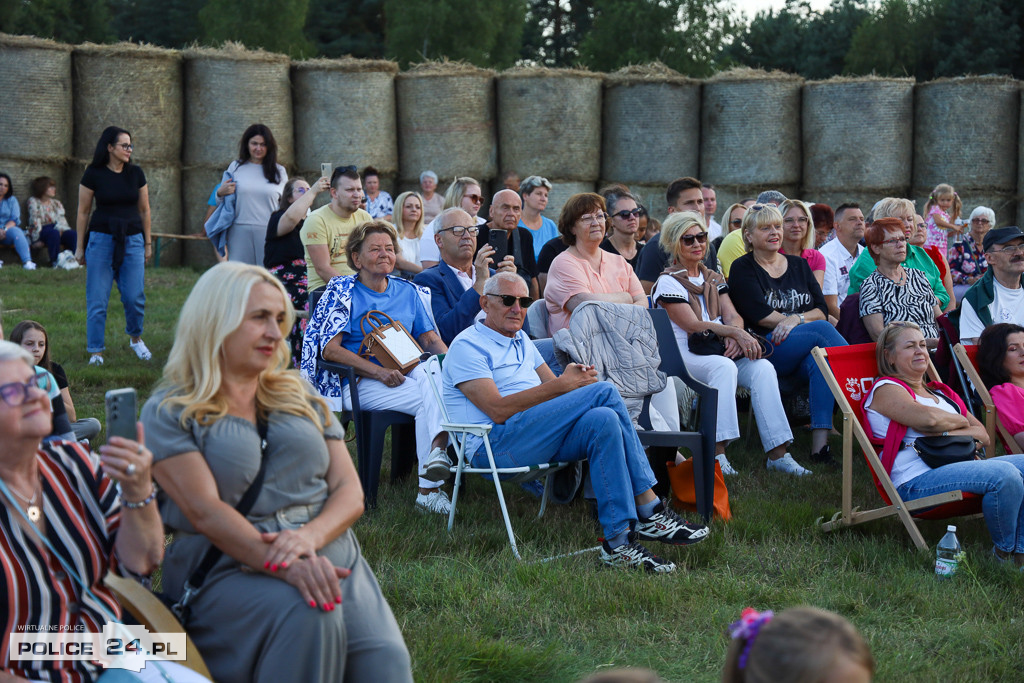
(464, 193)
(409, 223)
(292, 577)
(798, 237)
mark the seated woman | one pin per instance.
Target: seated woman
(267, 609)
(778, 297)
(1001, 366)
(917, 238)
(47, 224)
(967, 257)
(32, 337)
(697, 301)
(96, 509)
(10, 218)
(798, 237)
(409, 224)
(733, 218)
(893, 291)
(623, 224)
(336, 331)
(900, 395)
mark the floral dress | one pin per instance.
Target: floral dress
(967, 259)
(937, 236)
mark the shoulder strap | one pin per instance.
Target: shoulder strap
(950, 395)
(894, 434)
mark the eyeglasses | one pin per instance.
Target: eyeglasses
(736, 222)
(1009, 249)
(126, 146)
(475, 198)
(508, 301)
(980, 221)
(589, 219)
(802, 220)
(15, 394)
(625, 214)
(895, 241)
(688, 240)
(460, 230)
(300, 190)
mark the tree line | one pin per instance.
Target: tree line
(925, 39)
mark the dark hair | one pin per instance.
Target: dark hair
(370, 171)
(108, 137)
(678, 186)
(578, 205)
(10, 185)
(339, 172)
(18, 333)
(613, 194)
(992, 353)
(874, 234)
(822, 213)
(289, 187)
(842, 208)
(270, 171)
(708, 186)
(41, 184)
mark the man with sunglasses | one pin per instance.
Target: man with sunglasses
(457, 282)
(505, 210)
(494, 375)
(326, 230)
(998, 297)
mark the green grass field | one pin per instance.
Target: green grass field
(470, 612)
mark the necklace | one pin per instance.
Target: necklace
(34, 513)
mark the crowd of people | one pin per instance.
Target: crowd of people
(748, 296)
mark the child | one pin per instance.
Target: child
(801, 644)
(942, 210)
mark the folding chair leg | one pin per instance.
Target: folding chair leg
(504, 514)
(455, 494)
(548, 480)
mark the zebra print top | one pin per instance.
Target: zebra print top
(913, 301)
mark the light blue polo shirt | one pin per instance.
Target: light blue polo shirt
(479, 352)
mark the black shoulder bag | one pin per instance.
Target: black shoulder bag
(181, 608)
(937, 451)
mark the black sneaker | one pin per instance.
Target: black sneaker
(668, 527)
(634, 556)
(825, 457)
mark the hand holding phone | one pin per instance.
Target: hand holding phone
(325, 170)
(122, 413)
(498, 239)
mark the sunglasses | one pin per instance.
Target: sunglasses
(624, 214)
(737, 222)
(688, 240)
(475, 198)
(508, 301)
(15, 394)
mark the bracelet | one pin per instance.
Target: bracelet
(140, 504)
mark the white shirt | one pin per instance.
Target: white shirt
(838, 263)
(714, 228)
(1007, 307)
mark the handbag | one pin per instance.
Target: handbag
(937, 451)
(705, 343)
(684, 492)
(389, 343)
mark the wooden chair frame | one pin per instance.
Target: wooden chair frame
(992, 422)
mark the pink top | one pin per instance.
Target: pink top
(813, 257)
(936, 235)
(1009, 401)
(570, 275)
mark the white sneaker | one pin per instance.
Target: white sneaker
(788, 465)
(727, 468)
(140, 350)
(29, 265)
(438, 466)
(435, 501)
(96, 359)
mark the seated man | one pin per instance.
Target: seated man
(457, 282)
(683, 194)
(494, 375)
(998, 297)
(506, 208)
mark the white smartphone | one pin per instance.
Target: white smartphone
(122, 413)
(325, 170)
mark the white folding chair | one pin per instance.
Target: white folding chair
(458, 432)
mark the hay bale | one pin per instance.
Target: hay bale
(730, 194)
(750, 129)
(345, 113)
(550, 122)
(966, 133)
(35, 79)
(446, 121)
(865, 198)
(651, 118)
(24, 171)
(561, 190)
(650, 196)
(197, 182)
(136, 87)
(228, 89)
(858, 133)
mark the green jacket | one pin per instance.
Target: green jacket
(916, 258)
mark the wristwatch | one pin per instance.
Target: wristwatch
(802, 321)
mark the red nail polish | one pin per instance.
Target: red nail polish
(266, 565)
(284, 565)
(273, 567)
(312, 603)
(327, 607)
(337, 600)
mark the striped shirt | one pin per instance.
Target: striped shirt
(913, 301)
(82, 513)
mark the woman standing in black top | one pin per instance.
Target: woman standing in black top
(282, 253)
(118, 238)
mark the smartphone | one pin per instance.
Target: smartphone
(122, 413)
(498, 239)
(325, 170)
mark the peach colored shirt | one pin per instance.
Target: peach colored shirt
(570, 275)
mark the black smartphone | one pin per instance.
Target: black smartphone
(498, 239)
(122, 413)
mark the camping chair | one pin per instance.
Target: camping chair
(458, 432)
(850, 371)
(371, 426)
(950, 369)
(149, 611)
(966, 357)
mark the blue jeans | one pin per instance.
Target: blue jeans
(55, 240)
(793, 356)
(16, 236)
(1001, 483)
(99, 275)
(591, 423)
(546, 349)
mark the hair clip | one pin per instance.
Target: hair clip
(747, 627)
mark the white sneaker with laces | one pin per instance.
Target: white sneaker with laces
(438, 466)
(96, 359)
(29, 265)
(727, 468)
(788, 465)
(435, 501)
(140, 350)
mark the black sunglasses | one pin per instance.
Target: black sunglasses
(509, 301)
(701, 237)
(624, 214)
(341, 170)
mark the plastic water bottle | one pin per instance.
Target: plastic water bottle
(948, 554)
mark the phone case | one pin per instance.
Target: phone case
(122, 413)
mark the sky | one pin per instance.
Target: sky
(752, 7)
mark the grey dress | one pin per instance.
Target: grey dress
(253, 627)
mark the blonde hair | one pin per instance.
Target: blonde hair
(675, 226)
(944, 190)
(408, 232)
(453, 195)
(193, 375)
(758, 216)
(786, 207)
(886, 344)
(727, 226)
(893, 207)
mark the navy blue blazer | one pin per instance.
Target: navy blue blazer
(453, 307)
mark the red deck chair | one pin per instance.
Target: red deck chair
(967, 358)
(850, 371)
